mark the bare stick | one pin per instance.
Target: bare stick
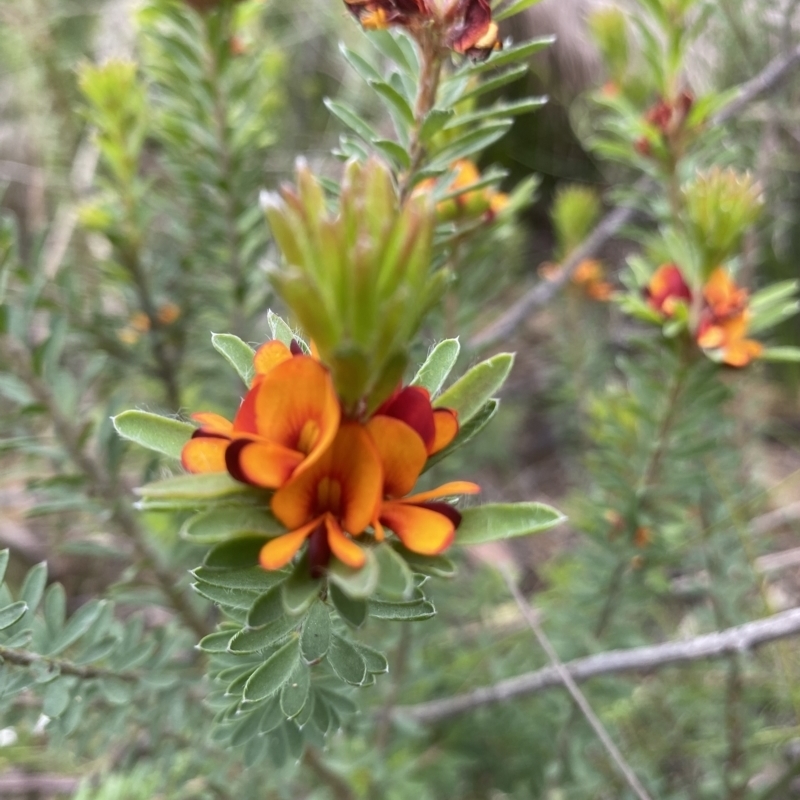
(577, 695)
(24, 658)
(740, 639)
(541, 294)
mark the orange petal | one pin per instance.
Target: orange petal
(269, 355)
(402, 453)
(420, 529)
(346, 550)
(213, 423)
(204, 454)
(445, 490)
(742, 352)
(296, 406)
(245, 419)
(712, 337)
(262, 463)
(279, 552)
(445, 421)
(353, 466)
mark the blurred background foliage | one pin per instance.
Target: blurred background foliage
(127, 249)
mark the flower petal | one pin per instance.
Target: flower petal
(402, 453)
(420, 529)
(740, 353)
(445, 490)
(245, 419)
(213, 424)
(345, 549)
(269, 355)
(279, 552)
(204, 454)
(412, 405)
(296, 406)
(262, 464)
(353, 465)
(445, 422)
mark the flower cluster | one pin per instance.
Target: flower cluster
(723, 317)
(334, 477)
(665, 125)
(464, 26)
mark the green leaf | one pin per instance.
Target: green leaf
(434, 121)
(3, 564)
(411, 611)
(57, 697)
(513, 8)
(10, 614)
(359, 64)
(232, 598)
(237, 353)
(355, 582)
(294, 694)
(316, 636)
(246, 729)
(470, 143)
(502, 58)
(352, 610)
(394, 100)
(219, 524)
(207, 486)
(283, 333)
(395, 578)
(254, 579)
(440, 566)
(255, 640)
(376, 662)
(790, 354)
(495, 521)
(267, 609)
(494, 83)
(161, 434)
(272, 716)
(215, 642)
(79, 624)
(346, 661)
(33, 586)
(470, 393)
(239, 553)
(497, 112)
(300, 590)
(438, 365)
(273, 673)
(394, 152)
(351, 119)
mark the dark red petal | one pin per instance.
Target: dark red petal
(202, 433)
(319, 551)
(412, 405)
(295, 348)
(445, 509)
(232, 459)
(475, 17)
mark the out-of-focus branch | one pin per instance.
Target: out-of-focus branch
(739, 639)
(24, 658)
(21, 783)
(541, 294)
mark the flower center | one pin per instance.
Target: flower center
(329, 496)
(308, 436)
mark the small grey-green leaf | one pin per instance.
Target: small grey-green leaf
(215, 642)
(414, 610)
(257, 639)
(3, 564)
(273, 673)
(246, 727)
(33, 586)
(79, 624)
(316, 636)
(299, 590)
(396, 579)
(11, 614)
(440, 361)
(267, 609)
(468, 395)
(495, 521)
(376, 662)
(440, 566)
(352, 610)
(232, 598)
(56, 698)
(220, 524)
(236, 352)
(272, 716)
(161, 434)
(206, 486)
(54, 609)
(294, 694)
(346, 661)
(238, 553)
(116, 691)
(253, 579)
(355, 582)
(283, 333)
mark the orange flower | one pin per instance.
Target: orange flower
(724, 321)
(423, 522)
(666, 289)
(285, 423)
(338, 494)
(588, 275)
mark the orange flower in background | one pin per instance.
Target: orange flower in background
(423, 522)
(333, 500)
(589, 275)
(666, 289)
(724, 321)
(284, 424)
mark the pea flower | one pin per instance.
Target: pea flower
(666, 289)
(724, 322)
(339, 494)
(285, 423)
(464, 26)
